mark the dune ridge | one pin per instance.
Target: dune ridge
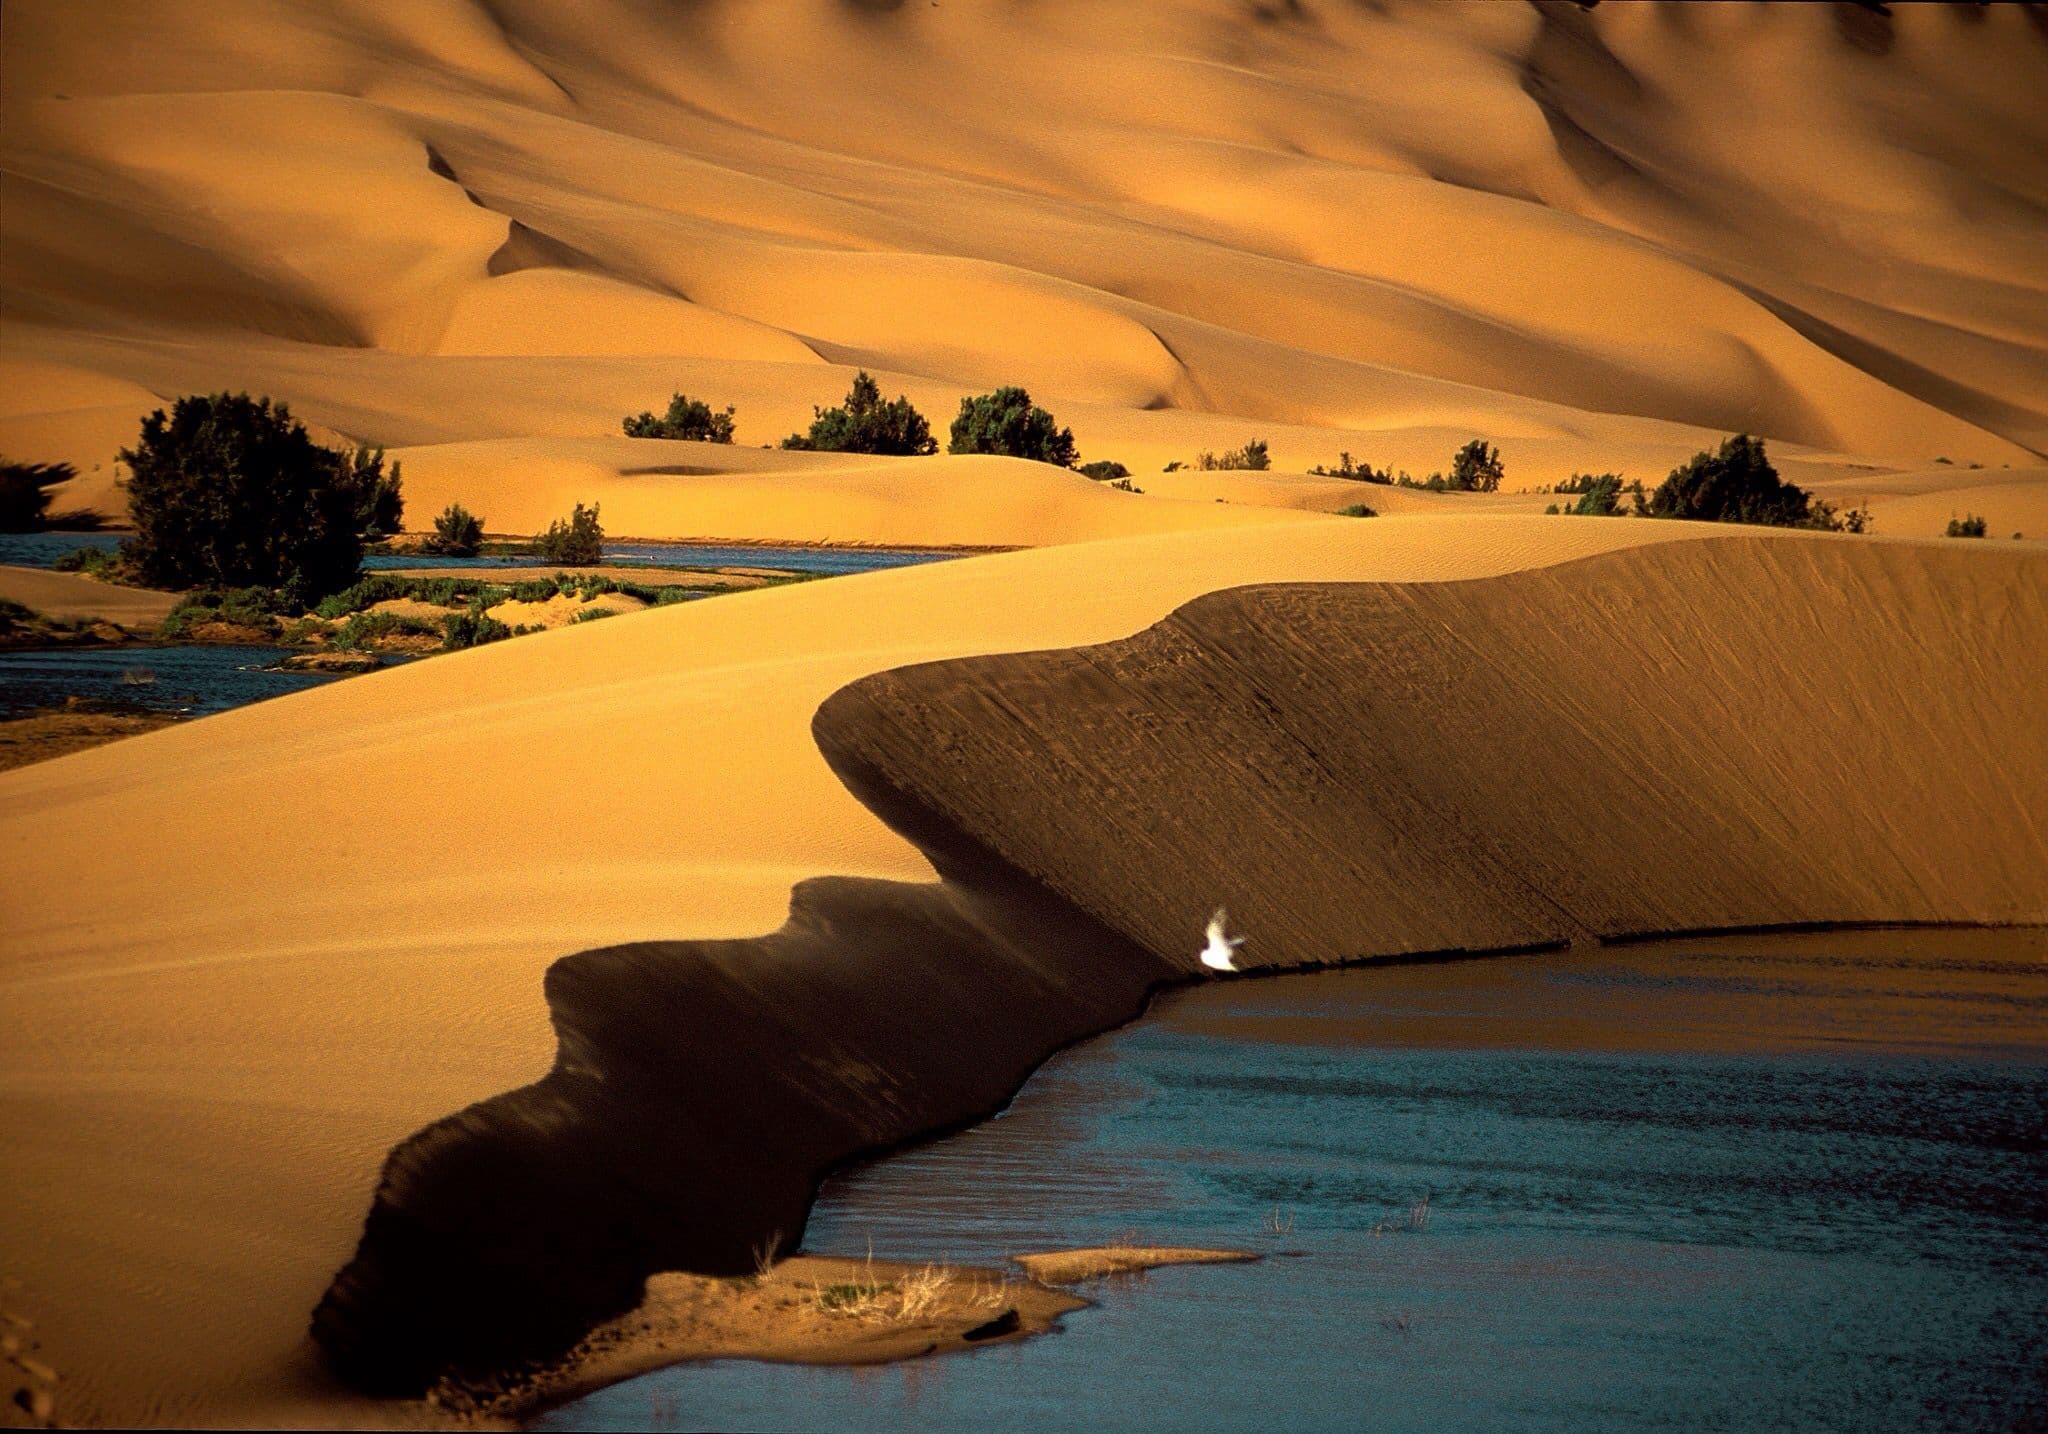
(1635, 742)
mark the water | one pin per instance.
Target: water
(196, 679)
(41, 550)
(825, 562)
(1752, 1182)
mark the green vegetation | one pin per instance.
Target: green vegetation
(1737, 484)
(1357, 473)
(1008, 423)
(25, 499)
(687, 417)
(592, 614)
(850, 1296)
(1253, 457)
(865, 424)
(1967, 526)
(229, 491)
(471, 629)
(364, 630)
(1476, 468)
(577, 542)
(1103, 469)
(1357, 510)
(1600, 495)
(458, 533)
(252, 607)
(94, 563)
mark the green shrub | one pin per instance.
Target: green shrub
(458, 533)
(1476, 468)
(670, 596)
(364, 628)
(1253, 456)
(243, 607)
(687, 417)
(1968, 526)
(865, 424)
(592, 614)
(1599, 494)
(471, 629)
(93, 562)
(1104, 469)
(1358, 473)
(228, 489)
(1125, 485)
(577, 542)
(1357, 510)
(25, 495)
(1735, 485)
(1006, 422)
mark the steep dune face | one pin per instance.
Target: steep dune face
(1364, 227)
(1649, 740)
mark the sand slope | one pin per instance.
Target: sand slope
(342, 937)
(1183, 224)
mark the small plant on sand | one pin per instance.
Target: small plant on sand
(765, 1254)
(1007, 422)
(576, 542)
(1103, 469)
(1279, 1222)
(458, 533)
(592, 614)
(1357, 510)
(94, 563)
(687, 417)
(1252, 457)
(471, 629)
(1476, 468)
(865, 424)
(1356, 472)
(1967, 526)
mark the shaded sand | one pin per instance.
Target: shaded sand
(71, 597)
(1183, 223)
(1412, 759)
(43, 735)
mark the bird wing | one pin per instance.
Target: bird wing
(1216, 925)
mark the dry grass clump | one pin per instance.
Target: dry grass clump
(935, 1291)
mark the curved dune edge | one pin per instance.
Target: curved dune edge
(1740, 733)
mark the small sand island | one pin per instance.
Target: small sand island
(641, 644)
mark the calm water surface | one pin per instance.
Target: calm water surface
(40, 550)
(198, 679)
(1712, 1184)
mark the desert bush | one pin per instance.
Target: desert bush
(1968, 526)
(1104, 469)
(687, 417)
(380, 503)
(365, 628)
(25, 498)
(1599, 494)
(471, 629)
(1476, 468)
(865, 424)
(669, 596)
(1356, 472)
(1734, 485)
(252, 607)
(577, 541)
(1357, 510)
(458, 533)
(1125, 485)
(1252, 456)
(229, 490)
(93, 562)
(592, 614)
(1006, 422)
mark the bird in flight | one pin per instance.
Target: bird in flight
(1221, 952)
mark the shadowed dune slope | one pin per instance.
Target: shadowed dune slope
(1648, 740)
(1183, 223)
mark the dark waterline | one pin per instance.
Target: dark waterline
(198, 679)
(1774, 1227)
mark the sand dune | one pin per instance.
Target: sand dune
(72, 598)
(1181, 224)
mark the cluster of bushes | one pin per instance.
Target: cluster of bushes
(1735, 484)
(25, 499)
(258, 608)
(1967, 526)
(458, 533)
(576, 542)
(687, 417)
(1599, 495)
(1475, 468)
(1252, 457)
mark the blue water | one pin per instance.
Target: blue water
(198, 679)
(1763, 1232)
(825, 562)
(40, 550)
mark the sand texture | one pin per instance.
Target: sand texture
(71, 597)
(483, 233)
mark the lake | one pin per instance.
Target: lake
(1747, 1181)
(196, 679)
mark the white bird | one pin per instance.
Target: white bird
(1220, 953)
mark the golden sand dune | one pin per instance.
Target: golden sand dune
(341, 938)
(1180, 224)
(72, 598)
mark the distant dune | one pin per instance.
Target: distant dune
(1582, 234)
